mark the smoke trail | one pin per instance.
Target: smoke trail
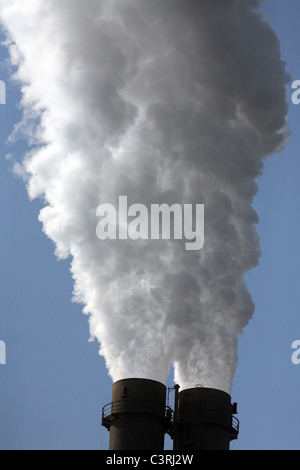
(171, 101)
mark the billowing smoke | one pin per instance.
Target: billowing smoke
(162, 101)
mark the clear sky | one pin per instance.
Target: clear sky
(54, 384)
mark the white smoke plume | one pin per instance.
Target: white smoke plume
(164, 101)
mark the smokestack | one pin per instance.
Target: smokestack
(136, 415)
(205, 420)
(137, 418)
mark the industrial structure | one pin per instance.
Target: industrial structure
(139, 416)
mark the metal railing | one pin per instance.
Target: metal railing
(115, 409)
(235, 425)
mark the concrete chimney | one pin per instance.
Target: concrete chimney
(136, 415)
(205, 420)
(138, 418)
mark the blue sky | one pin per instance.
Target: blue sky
(54, 384)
